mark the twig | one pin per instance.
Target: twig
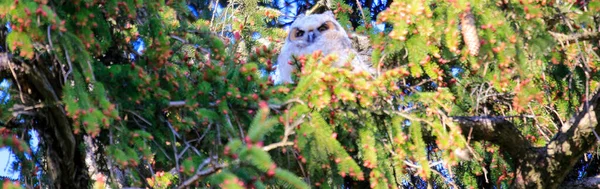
(12, 70)
(469, 137)
(201, 172)
(485, 172)
(276, 145)
(19, 107)
(181, 103)
(408, 117)
(597, 136)
(69, 62)
(139, 117)
(306, 176)
(432, 164)
(177, 103)
(450, 182)
(172, 129)
(361, 12)
(162, 150)
(287, 132)
(213, 14)
(203, 134)
(50, 38)
(91, 70)
(537, 126)
(173, 144)
(179, 39)
(380, 63)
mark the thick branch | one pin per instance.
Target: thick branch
(64, 159)
(571, 142)
(540, 167)
(497, 130)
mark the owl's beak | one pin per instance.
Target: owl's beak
(311, 36)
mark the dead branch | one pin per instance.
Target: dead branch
(202, 172)
(288, 131)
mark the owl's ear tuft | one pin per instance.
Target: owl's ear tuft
(329, 13)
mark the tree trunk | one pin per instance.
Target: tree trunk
(65, 158)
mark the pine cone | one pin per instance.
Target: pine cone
(469, 32)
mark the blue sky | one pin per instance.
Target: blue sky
(6, 157)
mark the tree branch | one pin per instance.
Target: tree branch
(287, 132)
(65, 160)
(497, 130)
(571, 38)
(571, 142)
(546, 166)
(202, 172)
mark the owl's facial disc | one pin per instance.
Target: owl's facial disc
(309, 34)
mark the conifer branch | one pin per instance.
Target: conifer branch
(202, 172)
(288, 131)
(571, 38)
(497, 130)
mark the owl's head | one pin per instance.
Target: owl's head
(307, 29)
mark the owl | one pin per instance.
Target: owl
(316, 32)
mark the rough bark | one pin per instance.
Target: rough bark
(544, 167)
(65, 161)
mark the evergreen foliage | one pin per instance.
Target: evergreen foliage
(468, 93)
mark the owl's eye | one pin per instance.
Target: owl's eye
(322, 27)
(300, 33)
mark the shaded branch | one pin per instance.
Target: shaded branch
(65, 160)
(497, 130)
(547, 166)
(572, 141)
